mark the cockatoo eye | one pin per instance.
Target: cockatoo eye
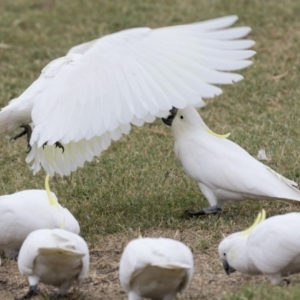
(181, 117)
(224, 254)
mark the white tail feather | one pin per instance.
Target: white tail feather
(60, 251)
(171, 265)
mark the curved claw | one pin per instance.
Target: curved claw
(57, 145)
(29, 148)
(28, 131)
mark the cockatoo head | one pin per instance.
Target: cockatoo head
(229, 252)
(184, 120)
(232, 250)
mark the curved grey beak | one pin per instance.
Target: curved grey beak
(171, 117)
(228, 269)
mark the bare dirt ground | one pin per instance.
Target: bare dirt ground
(208, 281)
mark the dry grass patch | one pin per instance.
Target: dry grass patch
(209, 280)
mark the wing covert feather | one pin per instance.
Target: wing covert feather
(274, 244)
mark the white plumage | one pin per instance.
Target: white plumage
(56, 257)
(272, 248)
(224, 171)
(92, 95)
(155, 268)
(26, 211)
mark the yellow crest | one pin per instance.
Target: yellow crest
(63, 224)
(221, 136)
(52, 200)
(260, 218)
(140, 235)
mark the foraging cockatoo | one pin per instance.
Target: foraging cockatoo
(224, 171)
(53, 256)
(155, 268)
(26, 211)
(89, 97)
(270, 247)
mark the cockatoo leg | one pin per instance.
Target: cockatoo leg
(205, 211)
(27, 130)
(216, 206)
(31, 293)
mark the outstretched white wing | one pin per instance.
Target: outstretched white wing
(128, 77)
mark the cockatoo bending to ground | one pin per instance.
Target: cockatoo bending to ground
(155, 268)
(89, 97)
(56, 257)
(224, 171)
(26, 211)
(270, 247)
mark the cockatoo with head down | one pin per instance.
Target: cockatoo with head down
(224, 171)
(270, 247)
(53, 256)
(86, 99)
(29, 210)
(155, 268)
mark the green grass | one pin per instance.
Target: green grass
(137, 183)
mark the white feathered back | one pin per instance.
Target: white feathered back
(162, 252)
(29, 210)
(56, 242)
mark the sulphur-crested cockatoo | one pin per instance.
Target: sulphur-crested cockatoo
(26, 211)
(53, 256)
(89, 97)
(224, 171)
(155, 268)
(270, 247)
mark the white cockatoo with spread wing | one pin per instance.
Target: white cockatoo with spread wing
(91, 96)
(29, 210)
(224, 171)
(155, 268)
(53, 256)
(270, 247)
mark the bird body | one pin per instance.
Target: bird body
(155, 268)
(130, 77)
(29, 210)
(224, 171)
(271, 248)
(54, 256)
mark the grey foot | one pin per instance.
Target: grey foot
(27, 130)
(57, 145)
(287, 281)
(205, 211)
(31, 293)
